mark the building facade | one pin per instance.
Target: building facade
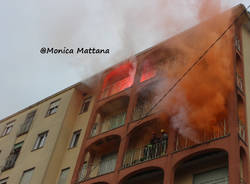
(42, 141)
(129, 125)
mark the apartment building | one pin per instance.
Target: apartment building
(129, 125)
(196, 133)
(40, 144)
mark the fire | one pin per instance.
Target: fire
(148, 71)
(118, 79)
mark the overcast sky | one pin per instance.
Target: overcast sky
(123, 27)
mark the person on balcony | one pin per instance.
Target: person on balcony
(154, 145)
(164, 141)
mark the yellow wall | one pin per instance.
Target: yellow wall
(38, 158)
(68, 157)
(246, 56)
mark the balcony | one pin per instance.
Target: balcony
(209, 167)
(100, 159)
(144, 153)
(242, 130)
(148, 71)
(149, 176)
(118, 80)
(147, 143)
(144, 103)
(110, 116)
(203, 136)
(98, 168)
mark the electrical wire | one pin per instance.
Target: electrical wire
(194, 64)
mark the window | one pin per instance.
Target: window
(63, 176)
(11, 160)
(85, 105)
(27, 123)
(8, 128)
(53, 107)
(26, 177)
(40, 140)
(4, 181)
(74, 139)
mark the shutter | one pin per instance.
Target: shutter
(217, 176)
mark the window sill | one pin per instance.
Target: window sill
(19, 135)
(34, 149)
(47, 115)
(71, 148)
(4, 135)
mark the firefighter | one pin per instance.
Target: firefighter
(153, 142)
(164, 141)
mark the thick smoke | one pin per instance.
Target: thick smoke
(200, 101)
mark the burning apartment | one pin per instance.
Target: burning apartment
(173, 114)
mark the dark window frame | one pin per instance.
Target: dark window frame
(85, 104)
(39, 143)
(13, 156)
(53, 109)
(25, 127)
(75, 138)
(8, 125)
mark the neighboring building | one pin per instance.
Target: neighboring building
(43, 140)
(110, 132)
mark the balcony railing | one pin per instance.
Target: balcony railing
(10, 162)
(242, 130)
(239, 82)
(98, 168)
(116, 87)
(204, 136)
(109, 123)
(144, 153)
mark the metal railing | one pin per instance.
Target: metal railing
(116, 87)
(242, 130)
(144, 153)
(204, 136)
(109, 123)
(97, 168)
